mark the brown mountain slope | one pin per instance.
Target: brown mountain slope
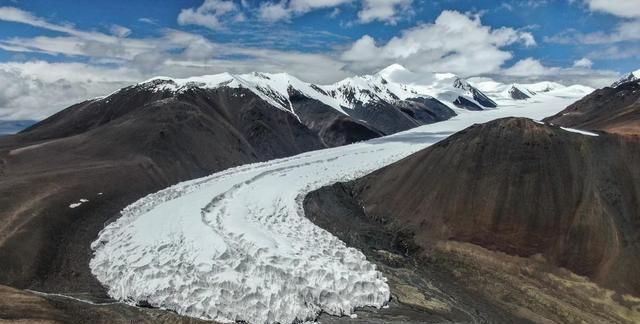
(503, 207)
(615, 110)
(112, 152)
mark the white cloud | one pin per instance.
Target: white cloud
(210, 13)
(532, 70)
(389, 11)
(583, 63)
(35, 90)
(147, 21)
(528, 67)
(453, 43)
(616, 52)
(384, 10)
(621, 8)
(625, 31)
(120, 31)
(304, 6)
(273, 11)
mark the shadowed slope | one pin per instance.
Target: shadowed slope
(615, 110)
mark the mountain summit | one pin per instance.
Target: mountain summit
(631, 77)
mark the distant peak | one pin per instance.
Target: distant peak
(631, 77)
(392, 68)
(461, 83)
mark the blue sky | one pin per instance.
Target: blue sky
(54, 53)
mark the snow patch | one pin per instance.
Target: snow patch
(79, 203)
(573, 130)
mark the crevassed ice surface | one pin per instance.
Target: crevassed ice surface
(236, 245)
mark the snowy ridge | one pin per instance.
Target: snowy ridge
(631, 77)
(382, 87)
(236, 245)
(502, 92)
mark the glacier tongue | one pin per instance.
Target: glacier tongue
(236, 245)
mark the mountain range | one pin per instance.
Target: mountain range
(531, 215)
(505, 215)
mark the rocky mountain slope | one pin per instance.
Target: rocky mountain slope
(63, 179)
(615, 110)
(512, 197)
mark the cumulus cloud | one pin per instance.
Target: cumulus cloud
(387, 11)
(210, 14)
(384, 10)
(583, 63)
(283, 10)
(270, 11)
(35, 90)
(455, 42)
(621, 8)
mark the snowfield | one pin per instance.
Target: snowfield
(236, 245)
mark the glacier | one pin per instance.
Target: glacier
(236, 245)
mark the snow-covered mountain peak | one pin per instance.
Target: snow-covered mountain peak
(631, 77)
(519, 94)
(389, 70)
(461, 84)
(386, 87)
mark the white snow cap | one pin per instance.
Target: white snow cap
(390, 84)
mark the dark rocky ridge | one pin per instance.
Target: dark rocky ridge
(517, 94)
(516, 202)
(401, 115)
(464, 103)
(615, 110)
(478, 95)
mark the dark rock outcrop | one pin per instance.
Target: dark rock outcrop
(517, 94)
(478, 95)
(464, 103)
